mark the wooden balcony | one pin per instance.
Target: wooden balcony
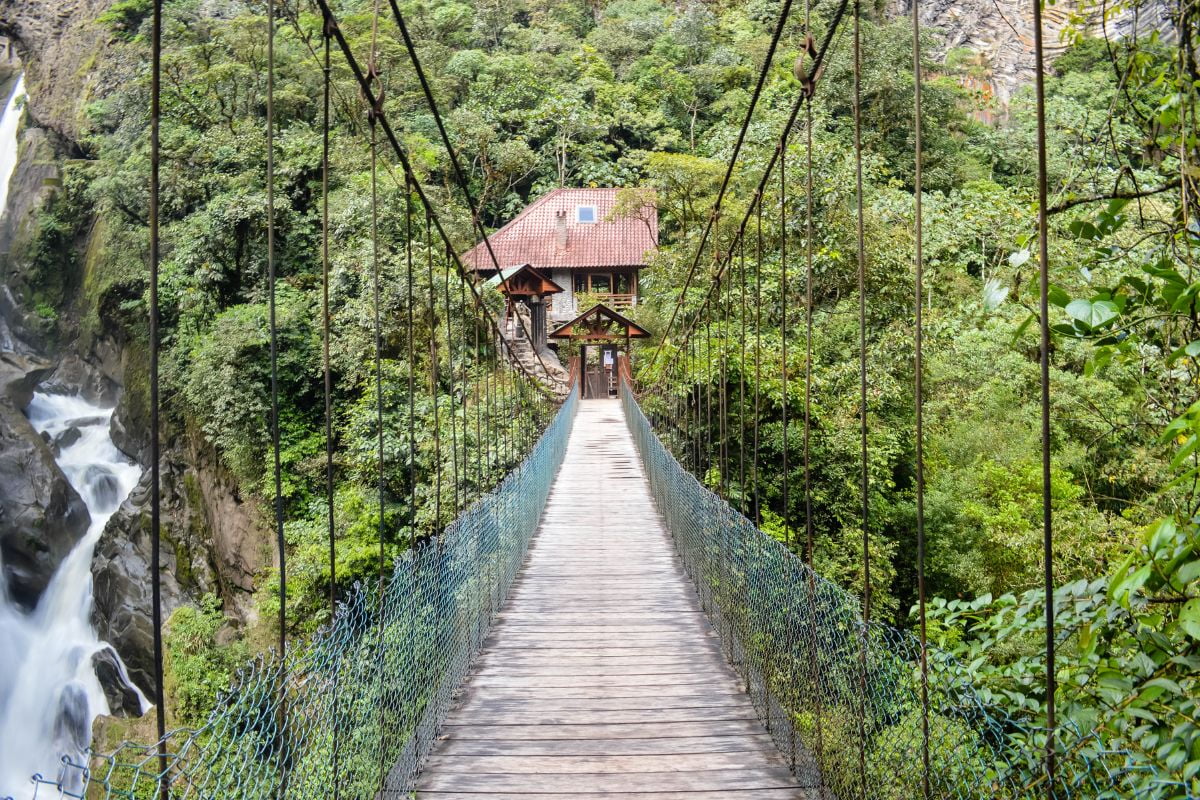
(563, 308)
(617, 302)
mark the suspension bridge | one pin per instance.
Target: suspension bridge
(597, 622)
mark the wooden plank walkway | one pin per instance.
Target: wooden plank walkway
(602, 676)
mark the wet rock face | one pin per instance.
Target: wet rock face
(212, 542)
(73, 375)
(64, 440)
(59, 43)
(121, 586)
(41, 516)
(31, 185)
(1001, 33)
(123, 699)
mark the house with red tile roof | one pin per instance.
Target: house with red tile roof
(572, 237)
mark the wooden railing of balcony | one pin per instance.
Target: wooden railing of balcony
(618, 302)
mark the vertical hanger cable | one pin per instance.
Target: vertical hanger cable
(1044, 363)
(280, 543)
(160, 708)
(862, 389)
(919, 392)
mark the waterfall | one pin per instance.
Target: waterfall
(49, 689)
(9, 146)
(8, 139)
(49, 692)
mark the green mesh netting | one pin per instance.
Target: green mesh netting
(841, 699)
(364, 698)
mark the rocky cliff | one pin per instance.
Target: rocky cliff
(62, 333)
(41, 516)
(213, 542)
(62, 49)
(1000, 32)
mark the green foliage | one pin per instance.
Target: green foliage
(649, 96)
(198, 664)
(125, 17)
(1125, 435)
(228, 387)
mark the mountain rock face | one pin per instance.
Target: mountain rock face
(60, 46)
(1000, 33)
(41, 516)
(213, 540)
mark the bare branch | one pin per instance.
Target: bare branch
(1134, 195)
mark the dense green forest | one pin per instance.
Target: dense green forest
(650, 95)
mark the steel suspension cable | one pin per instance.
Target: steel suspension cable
(509, 433)
(808, 321)
(919, 392)
(697, 406)
(862, 386)
(468, 354)
(433, 378)
(724, 405)
(1044, 362)
(331, 531)
(783, 327)
(412, 366)
(757, 351)
(817, 68)
(818, 55)
(455, 472)
(325, 329)
(742, 383)
(480, 442)
(369, 99)
(330, 25)
(374, 76)
(726, 261)
(708, 402)
(275, 441)
(810, 545)
(737, 149)
(160, 706)
(491, 408)
(459, 175)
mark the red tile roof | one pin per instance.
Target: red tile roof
(535, 237)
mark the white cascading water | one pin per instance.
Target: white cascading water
(49, 692)
(8, 139)
(49, 685)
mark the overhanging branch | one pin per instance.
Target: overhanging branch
(1134, 195)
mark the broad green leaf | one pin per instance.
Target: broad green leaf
(1117, 206)
(1191, 350)
(1057, 296)
(1160, 535)
(1091, 315)
(1189, 618)
(1166, 684)
(1117, 590)
(1189, 572)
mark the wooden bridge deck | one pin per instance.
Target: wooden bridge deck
(602, 676)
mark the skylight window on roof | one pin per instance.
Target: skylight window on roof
(585, 214)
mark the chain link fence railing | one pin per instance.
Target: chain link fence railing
(352, 713)
(842, 699)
